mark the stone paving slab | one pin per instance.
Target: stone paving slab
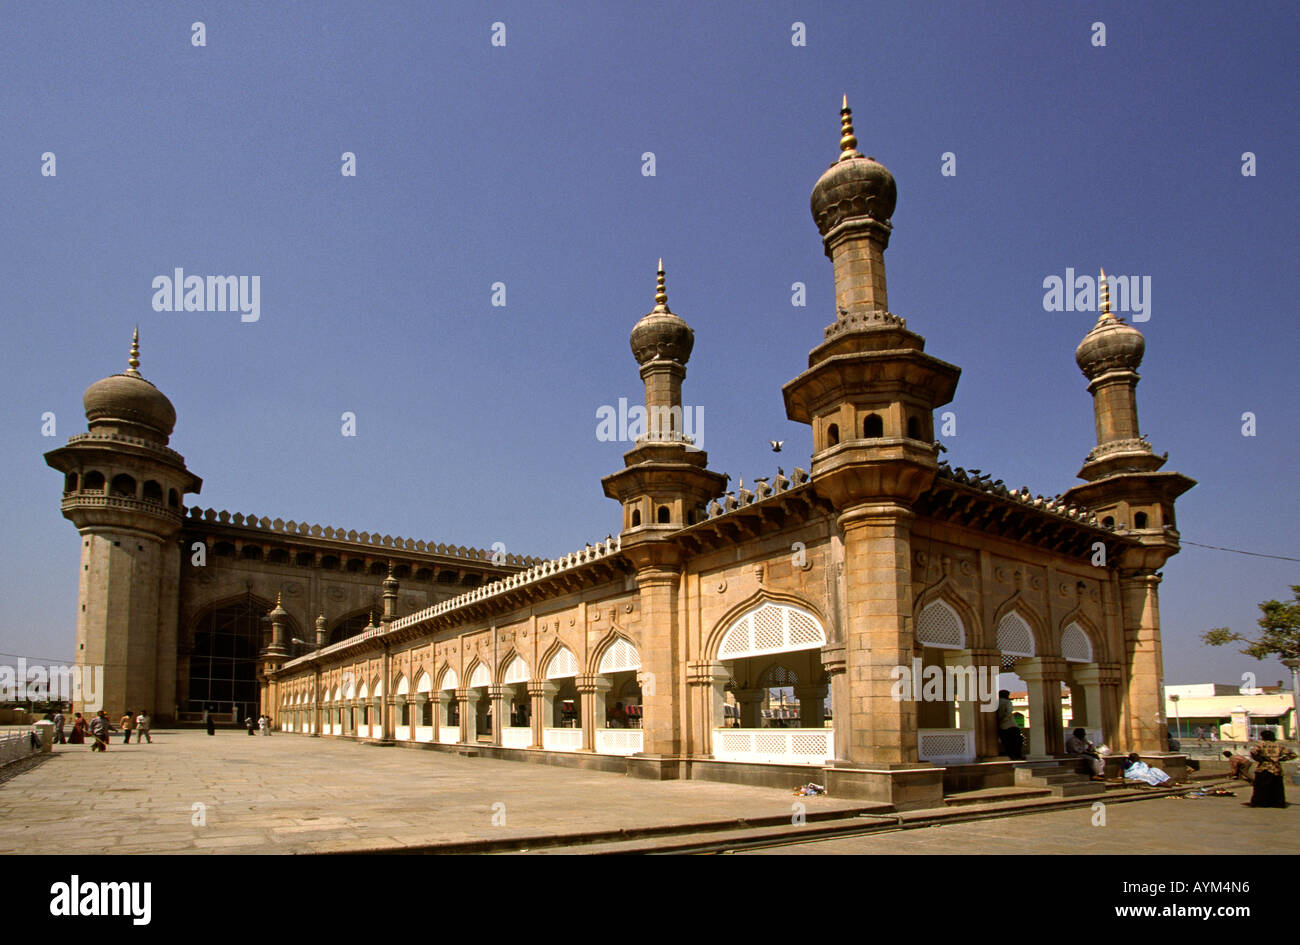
(295, 794)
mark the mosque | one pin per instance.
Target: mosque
(657, 652)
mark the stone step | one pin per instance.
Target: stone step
(989, 795)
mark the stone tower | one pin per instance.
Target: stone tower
(1126, 490)
(663, 487)
(869, 394)
(124, 490)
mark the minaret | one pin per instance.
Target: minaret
(662, 488)
(123, 489)
(273, 656)
(869, 394)
(1126, 490)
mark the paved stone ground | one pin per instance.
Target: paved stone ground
(1159, 826)
(294, 794)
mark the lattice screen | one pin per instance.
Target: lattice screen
(620, 657)
(517, 671)
(940, 626)
(1014, 636)
(450, 680)
(771, 628)
(562, 664)
(424, 685)
(780, 676)
(403, 687)
(1075, 645)
(480, 677)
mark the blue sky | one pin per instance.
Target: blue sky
(522, 164)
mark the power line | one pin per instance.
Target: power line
(1255, 554)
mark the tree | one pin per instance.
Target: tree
(1281, 626)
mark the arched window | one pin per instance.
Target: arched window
(771, 628)
(1015, 639)
(330, 563)
(224, 663)
(94, 482)
(914, 428)
(278, 556)
(1140, 520)
(1075, 645)
(173, 500)
(663, 515)
(123, 485)
(305, 559)
(940, 626)
(1109, 521)
(636, 518)
(223, 549)
(251, 553)
(349, 626)
(402, 572)
(152, 492)
(70, 482)
(833, 435)
(356, 564)
(378, 568)
(873, 426)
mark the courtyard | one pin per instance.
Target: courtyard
(191, 793)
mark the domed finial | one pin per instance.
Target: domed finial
(134, 360)
(1103, 287)
(661, 293)
(848, 140)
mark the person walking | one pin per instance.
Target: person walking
(58, 727)
(209, 722)
(101, 726)
(1270, 789)
(79, 730)
(127, 723)
(142, 723)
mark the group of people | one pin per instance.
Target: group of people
(99, 729)
(261, 724)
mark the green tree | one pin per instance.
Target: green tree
(1281, 626)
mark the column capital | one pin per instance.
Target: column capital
(874, 513)
(704, 673)
(1041, 669)
(585, 684)
(542, 687)
(834, 660)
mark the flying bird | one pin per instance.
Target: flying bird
(776, 445)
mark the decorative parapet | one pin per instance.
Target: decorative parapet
(857, 321)
(116, 438)
(763, 489)
(1052, 505)
(545, 569)
(302, 529)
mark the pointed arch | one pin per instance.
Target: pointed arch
(377, 688)
(1096, 643)
(943, 622)
(363, 694)
(1008, 631)
(1075, 645)
(402, 686)
(945, 591)
(422, 681)
(447, 679)
(514, 669)
(616, 653)
(479, 675)
(806, 629)
(560, 662)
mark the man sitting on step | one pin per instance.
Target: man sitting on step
(1078, 744)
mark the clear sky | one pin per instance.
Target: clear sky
(523, 164)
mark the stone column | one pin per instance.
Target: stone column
(967, 709)
(443, 718)
(467, 703)
(879, 633)
(542, 692)
(1143, 711)
(591, 690)
(1110, 677)
(500, 711)
(386, 705)
(707, 683)
(834, 662)
(812, 705)
(1044, 675)
(988, 664)
(1085, 696)
(750, 702)
(661, 656)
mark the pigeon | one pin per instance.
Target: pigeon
(776, 445)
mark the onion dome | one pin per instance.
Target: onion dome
(854, 186)
(129, 399)
(661, 335)
(1111, 344)
(277, 612)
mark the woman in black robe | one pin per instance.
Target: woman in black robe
(1270, 790)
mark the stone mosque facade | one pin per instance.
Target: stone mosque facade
(656, 652)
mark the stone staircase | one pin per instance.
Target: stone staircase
(1062, 779)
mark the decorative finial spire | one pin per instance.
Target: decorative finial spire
(134, 360)
(1103, 287)
(848, 140)
(277, 598)
(661, 293)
